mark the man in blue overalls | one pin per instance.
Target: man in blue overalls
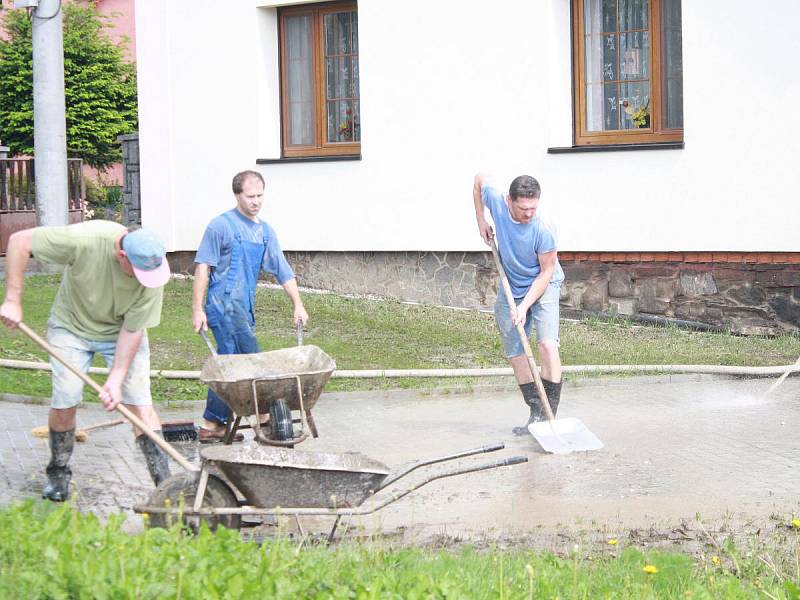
(236, 246)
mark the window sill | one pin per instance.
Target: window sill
(616, 147)
(306, 159)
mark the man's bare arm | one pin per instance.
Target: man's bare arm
(199, 287)
(127, 347)
(486, 231)
(547, 263)
(299, 312)
(20, 248)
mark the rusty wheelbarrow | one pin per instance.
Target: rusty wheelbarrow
(270, 384)
(279, 481)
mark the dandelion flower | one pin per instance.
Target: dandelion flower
(529, 570)
(715, 560)
(796, 523)
(612, 542)
(650, 569)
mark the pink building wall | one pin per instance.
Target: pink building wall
(122, 16)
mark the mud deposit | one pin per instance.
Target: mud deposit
(675, 448)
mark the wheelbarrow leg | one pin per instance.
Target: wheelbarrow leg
(230, 429)
(299, 526)
(311, 425)
(202, 484)
(333, 529)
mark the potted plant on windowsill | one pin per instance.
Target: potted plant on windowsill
(640, 116)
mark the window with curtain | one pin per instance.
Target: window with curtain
(628, 71)
(321, 113)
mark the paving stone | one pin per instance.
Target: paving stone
(674, 445)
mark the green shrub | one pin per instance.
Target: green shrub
(103, 199)
(99, 86)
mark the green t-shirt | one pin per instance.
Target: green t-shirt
(96, 297)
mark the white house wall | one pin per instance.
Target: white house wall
(449, 89)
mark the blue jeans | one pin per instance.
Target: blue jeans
(544, 314)
(234, 335)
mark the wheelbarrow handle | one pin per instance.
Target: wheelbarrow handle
(211, 348)
(493, 447)
(135, 420)
(424, 463)
(514, 460)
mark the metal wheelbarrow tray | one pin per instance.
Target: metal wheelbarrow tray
(278, 481)
(272, 477)
(250, 383)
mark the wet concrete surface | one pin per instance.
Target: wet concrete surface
(674, 447)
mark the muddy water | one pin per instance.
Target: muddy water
(673, 448)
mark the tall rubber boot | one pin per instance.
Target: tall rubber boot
(58, 473)
(156, 459)
(553, 391)
(531, 397)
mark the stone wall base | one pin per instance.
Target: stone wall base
(762, 299)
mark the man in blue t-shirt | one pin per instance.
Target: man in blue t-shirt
(528, 252)
(236, 247)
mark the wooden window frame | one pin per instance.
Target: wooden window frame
(656, 133)
(321, 147)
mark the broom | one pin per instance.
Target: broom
(81, 435)
(174, 431)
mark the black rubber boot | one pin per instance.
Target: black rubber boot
(553, 391)
(156, 459)
(58, 473)
(531, 397)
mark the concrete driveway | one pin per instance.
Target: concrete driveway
(674, 447)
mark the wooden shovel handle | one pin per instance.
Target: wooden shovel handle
(120, 407)
(522, 336)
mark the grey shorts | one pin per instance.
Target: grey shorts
(68, 387)
(544, 314)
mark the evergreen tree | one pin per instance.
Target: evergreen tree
(99, 87)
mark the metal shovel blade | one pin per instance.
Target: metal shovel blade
(562, 436)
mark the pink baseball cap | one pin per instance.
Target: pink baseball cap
(148, 257)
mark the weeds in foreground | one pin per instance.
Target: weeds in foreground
(57, 552)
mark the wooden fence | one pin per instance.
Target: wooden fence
(18, 187)
(18, 195)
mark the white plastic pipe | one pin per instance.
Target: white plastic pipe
(488, 372)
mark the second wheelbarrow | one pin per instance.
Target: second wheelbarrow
(270, 383)
(278, 481)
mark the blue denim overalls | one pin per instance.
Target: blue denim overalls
(230, 308)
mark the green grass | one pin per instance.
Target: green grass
(49, 551)
(370, 334)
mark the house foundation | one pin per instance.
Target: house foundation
(751, 294)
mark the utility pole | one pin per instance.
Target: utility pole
(49, 121)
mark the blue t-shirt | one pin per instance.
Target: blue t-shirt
(520, 244)
(217, 244)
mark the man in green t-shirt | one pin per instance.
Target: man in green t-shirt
(111, 292)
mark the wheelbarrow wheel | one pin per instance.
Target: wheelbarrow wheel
(180, 490)
(280, 421)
